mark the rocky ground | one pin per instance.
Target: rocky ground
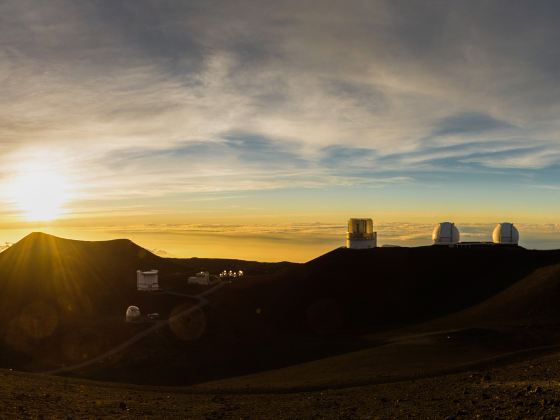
(529, 389)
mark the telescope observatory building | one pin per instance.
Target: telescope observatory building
(360, 234)
(446, 233)
(133, 314)
(147, 280)
(505, 234)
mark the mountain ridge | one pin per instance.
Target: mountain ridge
(298, 312)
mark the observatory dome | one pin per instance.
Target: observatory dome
(132, 314)
(446, 233)
(505, 233)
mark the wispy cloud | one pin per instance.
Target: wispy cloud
(167, 98)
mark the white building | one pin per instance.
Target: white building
(505, 234)
(204, 278)
(133, 314)
(446, 233)
(360, 234)
(147, 280)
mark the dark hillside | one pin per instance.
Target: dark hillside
(57, 294)
(323, 307)
(394, 286)
(216, 265)
(84, 278)
(252, 269)
(533, 300)
(57, 291)
(78, 277)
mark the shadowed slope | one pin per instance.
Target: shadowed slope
(532, 300)
(64, 300)
(62, 296)
(396, 286)
(516, 323)
(78, 277)
(325, 307)
(301, 313)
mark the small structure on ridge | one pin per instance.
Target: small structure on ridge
(147, 280)
(133, 314)
(505, 234)
(231, 274)
(446, 233)
(203, 278)
(360, 234)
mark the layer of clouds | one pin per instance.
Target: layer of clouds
(153, 97)
(394, 233)
(296, 242)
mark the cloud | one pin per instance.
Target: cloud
(395, 233)
(5, 246)
(164, 98)
(469, 123)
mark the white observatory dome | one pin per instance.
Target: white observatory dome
(132, 314)
(505, 233)
(446, 233)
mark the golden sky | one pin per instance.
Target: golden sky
(213, 128)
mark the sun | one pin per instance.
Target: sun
(40, 193)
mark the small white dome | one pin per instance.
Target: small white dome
(133, 314)
(505, 233)
(446, 233)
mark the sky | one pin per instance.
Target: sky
(254, 129)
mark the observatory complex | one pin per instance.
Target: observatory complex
(360, 234)
(446, 233)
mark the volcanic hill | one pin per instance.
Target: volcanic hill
(61, 296)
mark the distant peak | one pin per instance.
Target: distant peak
(46, 240)
(39, 234)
